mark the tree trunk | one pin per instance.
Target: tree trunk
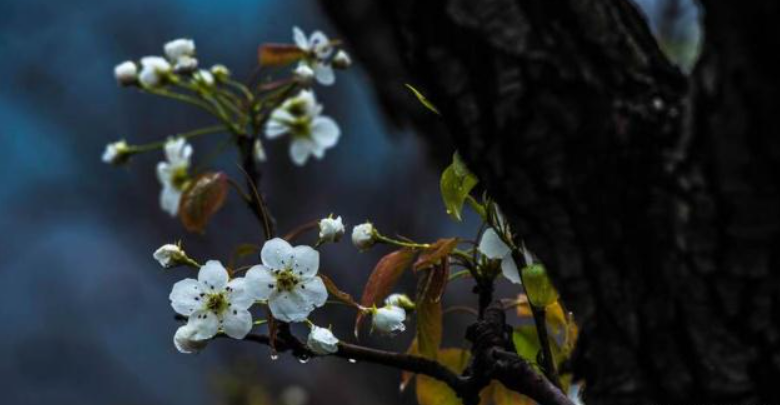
(651, 196)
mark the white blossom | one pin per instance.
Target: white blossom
(126, 73)
(493, 247)
(213, 301)
(173, 174)
(154, 70)
(322, 341)
(311, 133)
(288, 280)
(184, 341)
(179, 48)
(204, 77)
(318, 49)
(331, 229)
(342, 60)
(116, 152)
(363, 236)
(169, 255)
(399, 300)
(389, 320)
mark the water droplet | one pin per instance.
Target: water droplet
(303, 359)
(274, 356)
(353, 361)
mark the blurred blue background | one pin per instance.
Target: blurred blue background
(84, 309)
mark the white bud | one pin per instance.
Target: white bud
(178, 48)
(204, 77)
(399, 300)
(342, 60)
(389, 320)
(184, 342)
(331, 229)
(126, 73)
(170, 255)
(363, 236)
(154, 69)
(116, 153)
(304, 72)
(220, 72)
(185, 64)
(322, 341)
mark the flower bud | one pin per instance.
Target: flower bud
(304, 73)
(171, 255)
(185, 64)
(154, 71)
(322, 341)
(179, 48)
(331, 229)
(400, 300)
(363, 236)
(126, 73)
(389, 320)
(220, 72)
(204, 77)
(184, 342)
(116, 153)
(342, 60)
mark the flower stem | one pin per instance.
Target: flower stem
(390, 241)
(187, 135)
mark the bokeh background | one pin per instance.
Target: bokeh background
(84, 310)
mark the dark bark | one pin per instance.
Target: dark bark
(652, 197)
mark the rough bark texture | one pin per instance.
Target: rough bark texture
(651, 196)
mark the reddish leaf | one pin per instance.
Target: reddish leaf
(429, 314)
(336, 292)
(278, 54)
(383, 279)
(202, 199)
(434, 254)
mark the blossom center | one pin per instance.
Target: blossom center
(179, 177)
(217, 303)
(286, 280)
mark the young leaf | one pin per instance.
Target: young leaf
(423, 100)
(502, 396)
(336, 292)
(434, 392)
(456, 184)
(275, 55)
(383, 278)
(526, 343)
(429, 314)
(433, 255)
(540, 290)
(202, 199)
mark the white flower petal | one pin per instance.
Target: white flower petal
(300, 39)
(260, 282)
(306, 261)
(206, 324)
(164, 173)
(300, 150)
(313, 292)
(324, 74)
(325, 131)
(389, 320)
(509, 269)
(240, 295)
(169, 200)
(289, 307)
(237, 323)
(185, 296)
(320, 45)
(275, 129)
(178, 152)
(185, 343)
(277, 254)
(492, 246)
(213, 277)
(322, 341)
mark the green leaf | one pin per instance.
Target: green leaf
(541, 292)
(456, 184)
(202, 199)
(423, 100)
(526, 343)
